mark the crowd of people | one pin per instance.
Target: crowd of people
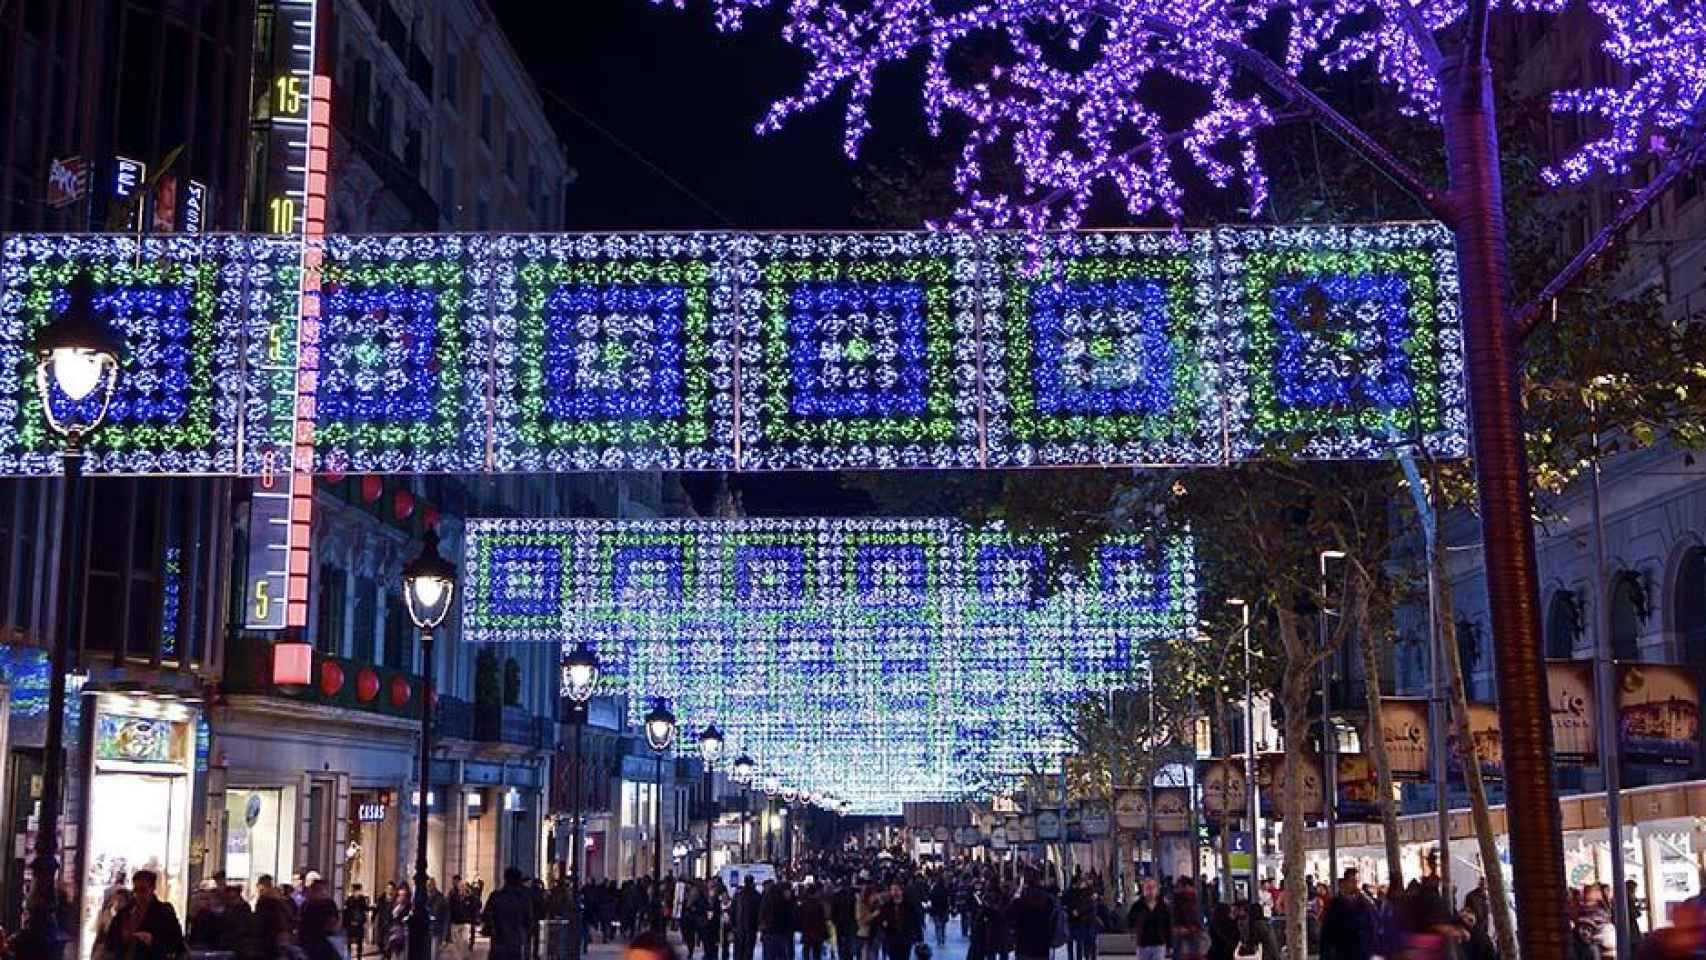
(842, 905)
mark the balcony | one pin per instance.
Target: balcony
(460, 719)
(338, 682)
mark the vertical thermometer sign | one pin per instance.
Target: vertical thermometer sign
(291, 135)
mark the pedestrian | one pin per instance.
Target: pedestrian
(997, 926)
(146, 928)
(774, 928)
(1033, 918)
(813, 918)
(868, 916)
(744, 913)
(1223, 933)
(844, 917)
(319, 932)
(397, 932)
(900, 924)
(509, 915)
(382, 915)
(275, 917)
(536, 898)
(1259, 938)
(713, 932)
(356, 910)
(1347, 925)
(693, 919)
(1150, 922)
(941, 908)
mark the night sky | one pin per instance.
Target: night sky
(626, 79)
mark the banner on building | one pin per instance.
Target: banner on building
(1404, 723)
(1658, 713)
(67, 181)
(1484, 734)
(1225, 793)
(1095, 819)
(1172, 809)
(1574, 737)
(1131, 809)
(1271, 785)
(1358, 787)
(1048, 825)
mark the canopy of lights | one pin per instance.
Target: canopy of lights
(870, 661)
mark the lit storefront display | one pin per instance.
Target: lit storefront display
(370, 858)
(142, 772)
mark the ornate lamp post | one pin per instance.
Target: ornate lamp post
(743, 773)
(429, 583)
(710, 748)
(579, 678)
(660, 734)
(772, 786)
(77, 369)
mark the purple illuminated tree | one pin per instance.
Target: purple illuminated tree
(1066, 98)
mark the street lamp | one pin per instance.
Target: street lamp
(660, 734)
(579, 676)
(710, 748)
(429, 584)
(743, 770)
(77, 369)
(1329, 737)
(1249, 752)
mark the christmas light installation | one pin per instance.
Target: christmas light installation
(468, 353)
(927, 653)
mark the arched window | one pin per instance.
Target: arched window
(1690, 612)
(1627, 603)
(1563, 625)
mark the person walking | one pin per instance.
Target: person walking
(774, 923)
(355, 913)
(1347, 925)
(1033, 918)
(509, 916)
(147, 927)
(1223, 933)
(997, 926)
(901, 926)
(813, 917)
(743, 913)
(1150, 921)
(319, 931)
(941, 908)
(844, 917)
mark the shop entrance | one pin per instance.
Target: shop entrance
(259, 835)
(371, 855)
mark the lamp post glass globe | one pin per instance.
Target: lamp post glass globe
(429, 582)
(743, 767)
(580, 674)
(77, 357)
(711, 744)
(660, 728)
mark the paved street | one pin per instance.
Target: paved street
(955, 949)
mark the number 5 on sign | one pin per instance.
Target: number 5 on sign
(263, 600)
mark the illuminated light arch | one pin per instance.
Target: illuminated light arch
(879, 660)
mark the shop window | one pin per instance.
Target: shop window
(397, 625)
(1690, 612)
(259, 839)
(366, 619)
(329, 622)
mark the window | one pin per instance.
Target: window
(412, 150)
(1690, 594)
(1563, 625)
(509, 154)
(486, 116)
(366, 619)
(329, 622)
(382, 119)
(397, 625)
(1627, 600)
(361, 93)
(482, 215)
(451, 70)
(447, 192)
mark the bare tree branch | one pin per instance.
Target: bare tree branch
(1527, 318)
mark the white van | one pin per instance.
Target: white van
(734, 875)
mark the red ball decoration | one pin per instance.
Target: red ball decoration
(331, 678)
(371, 488)
(366, 684)
(429, 517)
(332, 479)
(432, 695)
(399, 691)
(403, 504)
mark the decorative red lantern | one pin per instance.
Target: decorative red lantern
(332, 479)
(429, 517)
(402, 504)
(292, 663)
(371, 488)
(366, 684)
(399, 691)
(331, 678)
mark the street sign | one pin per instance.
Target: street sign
(1048, 825)
(998, 839)
(1095, 819)
(67, 181)
(128, 177)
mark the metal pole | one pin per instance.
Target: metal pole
(579, 715)
(1329, 740)
(45, 938)
(657, 845)
(1149, 786)
(1610, 753)
(420, 924)
(710, 804)
(1436, 737)
(1250, 768)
